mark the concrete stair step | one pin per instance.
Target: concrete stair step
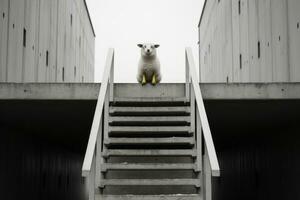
(173, 141)
(149, 197)
(146, 153)
(150, 182)
(147, 166)
(150, 101)
(153, 121)
(153, 130)
(150, 111)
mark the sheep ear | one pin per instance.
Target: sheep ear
(140, 45)
(156, 45)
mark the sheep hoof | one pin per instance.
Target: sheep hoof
(154, 80)
(144, 80)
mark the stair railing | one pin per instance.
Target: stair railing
(208, 164)
(92, 162)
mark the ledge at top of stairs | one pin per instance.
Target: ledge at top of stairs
(89, 91)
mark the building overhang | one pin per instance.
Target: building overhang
(89, 91)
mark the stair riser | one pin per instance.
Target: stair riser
(149, 114)
(150, 102)
(149, 134)
(149, 111)
(149, 123)
(151, 129)
(150, 174)
(155, 143)
(147, 166)
(148, 197)
(149, 190)
(149, 153)
(157, 160)
(150, 182)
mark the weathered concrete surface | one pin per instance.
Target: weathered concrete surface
(89, 91)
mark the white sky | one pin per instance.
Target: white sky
(122, 24)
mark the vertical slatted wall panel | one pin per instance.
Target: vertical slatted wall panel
(236, 41)
(29, 51)
(294, 39)
(4, 6)
(254, 42)
(280, 41)
(15, 41)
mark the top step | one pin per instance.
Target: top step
(156, 101)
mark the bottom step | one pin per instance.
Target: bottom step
(149, 197)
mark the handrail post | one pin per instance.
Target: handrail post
(111, 80)
(187, 78)
(106, 114)
(207, 176)
(91, 179)
(199, 141)
(99, 158)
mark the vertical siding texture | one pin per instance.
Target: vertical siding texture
(250, 41)
(46, 41)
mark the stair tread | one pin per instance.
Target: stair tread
(148, 166)
(149, 119)
(149, 197)
(118, 99)
(150, 182)
(149, 129)
(150, 110)
(149, 99)
(146, 152)
(154, 141)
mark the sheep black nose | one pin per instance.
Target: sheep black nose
(148, 50)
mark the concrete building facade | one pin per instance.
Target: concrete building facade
(46, 41)
(250, 41)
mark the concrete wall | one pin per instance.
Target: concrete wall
(46, 41)
(42, 148)
(43, 143)
(258, 149)
(250, 41)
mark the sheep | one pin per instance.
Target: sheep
(149, 65)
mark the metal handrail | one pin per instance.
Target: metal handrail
(192, 76)
(107, 77)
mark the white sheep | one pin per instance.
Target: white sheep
(149, 65)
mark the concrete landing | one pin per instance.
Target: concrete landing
(89, 91)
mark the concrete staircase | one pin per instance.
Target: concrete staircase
(148, 143)
(149, 151)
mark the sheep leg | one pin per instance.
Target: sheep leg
(144, 80)
(154, 79)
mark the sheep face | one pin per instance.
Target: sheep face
(148, 49)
